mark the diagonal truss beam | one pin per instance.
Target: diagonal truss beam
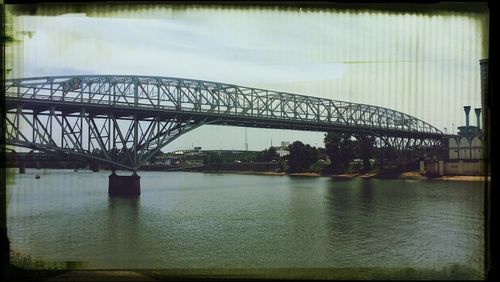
(80, 134)
(224, 100)
(125, 120)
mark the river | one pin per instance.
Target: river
(212, 220)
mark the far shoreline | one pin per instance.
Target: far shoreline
(413, 175)
(347, 176)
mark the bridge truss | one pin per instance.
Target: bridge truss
(125, 120)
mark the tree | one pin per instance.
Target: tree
(340, 148)
(366, 149)
(159, 153)
(212, 158)
(248, 156)
(271, 153)
(301, 157)
(267, 155)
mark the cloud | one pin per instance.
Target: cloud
(159, 47)
(433, 61)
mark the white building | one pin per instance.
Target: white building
(282, 152)
(283, 149)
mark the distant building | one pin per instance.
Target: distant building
(282, 152)
(283, 149)
(464, 151)
(468, 145)
(185, 153)
(285, 143)
(166, 159)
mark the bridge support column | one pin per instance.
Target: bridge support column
(120, 185)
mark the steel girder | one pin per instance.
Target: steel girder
(409, 149)
(151, 108)
(124, 141)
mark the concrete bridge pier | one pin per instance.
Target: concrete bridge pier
(123, 185)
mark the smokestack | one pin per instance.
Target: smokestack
(478, 117)
(467, 110)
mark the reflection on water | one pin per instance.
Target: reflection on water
(123, 228)
(197, 220)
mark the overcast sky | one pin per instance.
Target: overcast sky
(425, 66)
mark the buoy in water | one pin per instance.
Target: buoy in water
(37, 176)
(75, 169)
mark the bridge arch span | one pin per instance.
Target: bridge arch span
(125, 119)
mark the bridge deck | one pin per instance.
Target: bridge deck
(217, 102)
(125, 120)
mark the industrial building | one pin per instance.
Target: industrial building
(468, 144)
(465, 152)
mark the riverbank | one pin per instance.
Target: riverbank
(412, 175)
(271, 173)
(463, 178)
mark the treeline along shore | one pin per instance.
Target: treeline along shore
(251, 168)
(344, 156)
(263, 169)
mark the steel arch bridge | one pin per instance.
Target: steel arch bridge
(123, 120)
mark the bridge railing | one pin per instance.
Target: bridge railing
(186, 95)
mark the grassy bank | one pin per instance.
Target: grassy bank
(26, 268)
(27, 262)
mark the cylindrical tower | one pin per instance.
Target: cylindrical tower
(478, 118)
(467, 129)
